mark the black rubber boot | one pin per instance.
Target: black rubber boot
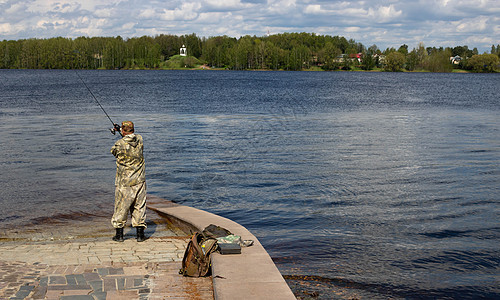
(140, 234)
(119, 235)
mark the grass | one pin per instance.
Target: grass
(178, 62)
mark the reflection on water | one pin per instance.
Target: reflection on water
(366, 185)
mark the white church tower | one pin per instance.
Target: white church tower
(183, 51)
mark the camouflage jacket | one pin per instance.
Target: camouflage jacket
(130, 166)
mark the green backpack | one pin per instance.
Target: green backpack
(196, 261)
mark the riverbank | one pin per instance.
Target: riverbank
(84, 262)
(312, 69)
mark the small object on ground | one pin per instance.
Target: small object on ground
(229, 248)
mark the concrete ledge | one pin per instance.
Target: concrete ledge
(249, 275)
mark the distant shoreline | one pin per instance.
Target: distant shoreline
(207, 68)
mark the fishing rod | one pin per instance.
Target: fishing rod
(116, 127)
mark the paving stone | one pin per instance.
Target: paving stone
(39, 292)
(130, 281)
(99, 295)
(80, 269)
(53, 294)
(92, 269)
(103, 271)
(121, 295)
(80, 279)
(77, 297)
(109, 284)
(120, 283)
(44, 281)
(70, 279)
(60, 269)
(91, 276)
(27, 288)
(68, 287)
(115, 271)
(93, 260)
(23, 293)
(57, 280)
(97, 285)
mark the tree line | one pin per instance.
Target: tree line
(286, 51)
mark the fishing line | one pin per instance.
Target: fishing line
(116, 127)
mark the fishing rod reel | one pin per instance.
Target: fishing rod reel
(115, 128)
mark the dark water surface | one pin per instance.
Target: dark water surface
(373, 185)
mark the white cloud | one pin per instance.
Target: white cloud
(61, 6)
(214, 17)
(6, 28)
(186, 12)
(478, 24)
(385, 22)
(15, 8)
(352, 29)
(105, 12)
(314, 9)
(384, 14)
(281, 6)
(224, 5)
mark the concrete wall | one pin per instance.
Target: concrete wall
(249, 275)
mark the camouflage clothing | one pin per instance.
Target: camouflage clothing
(133, 199)
(130, 181)
(130, 169)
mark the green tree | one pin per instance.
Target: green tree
(395, 61)
(272, 60)
(10, 54)
(299, 57)
(329, 53)
(439, 61)
(412, 60)
(288, 51)
(421, 55)
(211, 52)
(83, 54)
(58, 53)
(30, 54)
(240, 53)
(483, 63)
(217, 50)
(403, 49)
(96, 49)
(193, 45)
(373, 49)
(389, 50)
(368, 62)
(114, 53)
(346, 64)
(169, 45)
(495, 50)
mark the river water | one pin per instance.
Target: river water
(359, 185)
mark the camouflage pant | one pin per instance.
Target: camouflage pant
(133, 199)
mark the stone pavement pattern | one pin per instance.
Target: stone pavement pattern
(98, 268)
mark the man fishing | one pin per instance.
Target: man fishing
(130, 182)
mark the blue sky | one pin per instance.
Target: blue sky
(385, 23)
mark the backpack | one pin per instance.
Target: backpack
(196, 261)
(214, 231)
